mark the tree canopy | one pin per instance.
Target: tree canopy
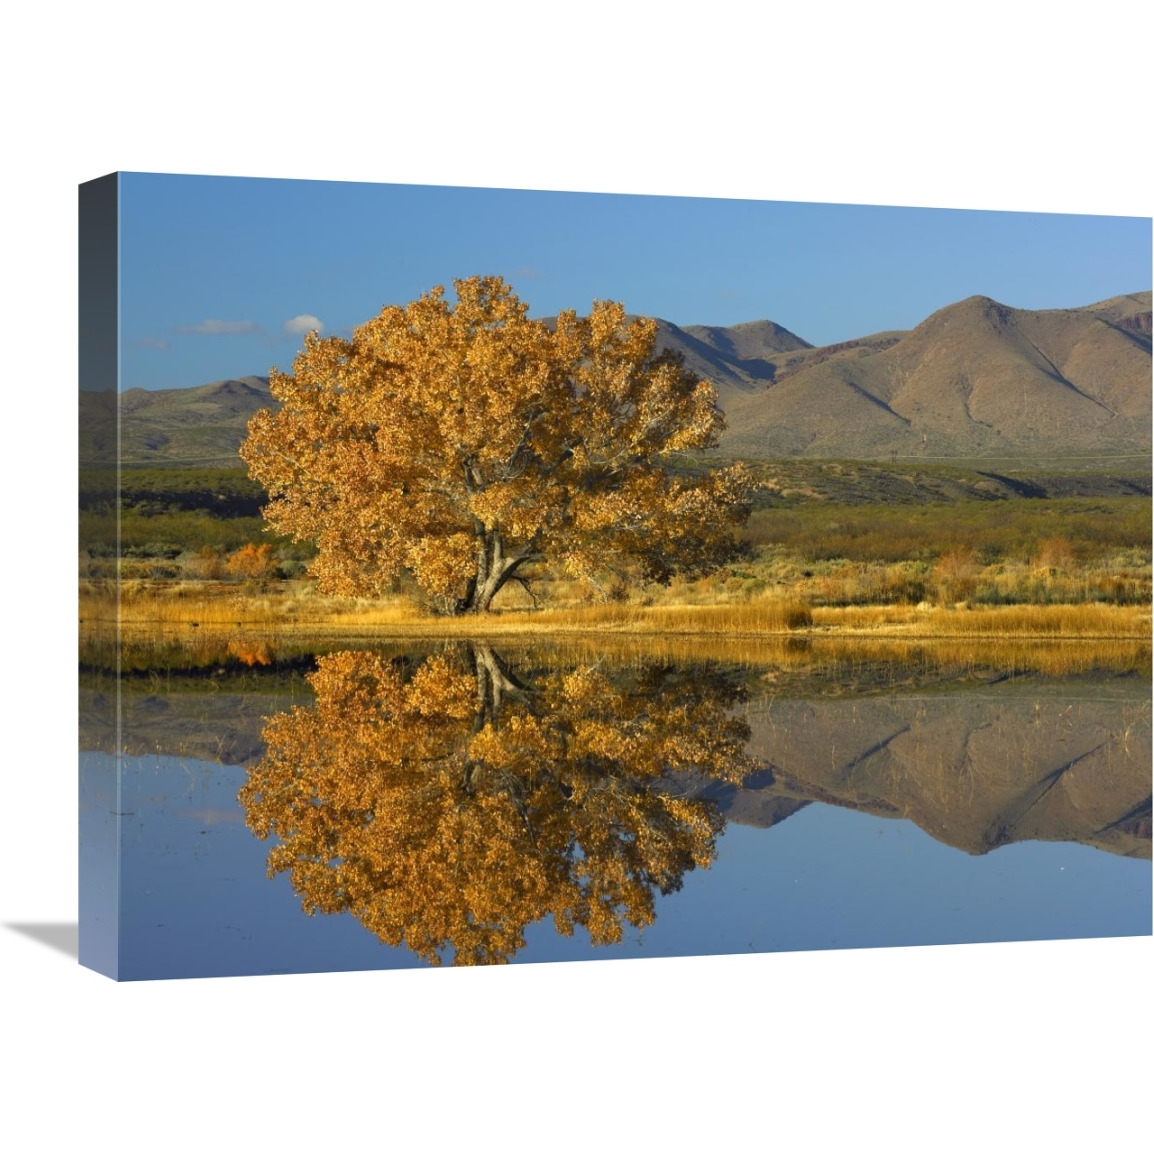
(461, 442)
(449, 804)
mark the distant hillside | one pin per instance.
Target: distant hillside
(198, 426)
(739, 360)
(975, 379)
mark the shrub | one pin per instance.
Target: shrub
(955, 574)
(211, 563)
(251, 562)
(1054, 553)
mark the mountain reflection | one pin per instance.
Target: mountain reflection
(449, 803)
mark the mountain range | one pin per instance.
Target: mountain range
(974, 379)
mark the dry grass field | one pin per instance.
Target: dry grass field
(163, 607)
(843, 550)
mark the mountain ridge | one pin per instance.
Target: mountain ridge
(976, 378)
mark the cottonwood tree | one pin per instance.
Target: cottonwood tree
(460, 442)
(451, 805)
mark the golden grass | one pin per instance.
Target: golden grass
(825, 656)
(1006, 621)
(146, 608)
(1047, 656)
(833, 661)
(217, 605)
(765, 615)
(159, 609)
(217, 622)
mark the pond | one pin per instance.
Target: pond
(262, 811)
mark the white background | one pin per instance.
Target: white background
(977, 106)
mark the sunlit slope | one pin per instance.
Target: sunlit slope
(199, 426)
(977, 378)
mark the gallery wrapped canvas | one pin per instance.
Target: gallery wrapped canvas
(473, 576)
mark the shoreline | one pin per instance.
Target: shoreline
(164, 611)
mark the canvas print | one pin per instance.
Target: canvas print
(472, 576)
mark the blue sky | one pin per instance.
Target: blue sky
(220, 276)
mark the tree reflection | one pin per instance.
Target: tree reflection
(450, 805)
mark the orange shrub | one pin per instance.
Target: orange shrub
(252, 562)
(250, 652)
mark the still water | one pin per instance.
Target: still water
(471, 805)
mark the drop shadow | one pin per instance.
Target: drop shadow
(62, 936)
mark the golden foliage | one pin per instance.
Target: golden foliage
(252, 561)
(450, 806)
(250, 652)
(462, 442)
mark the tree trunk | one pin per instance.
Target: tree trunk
(494, 570)
(495, 682)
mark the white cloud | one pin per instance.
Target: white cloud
(305, 323)
(216, 328)
(150, 343)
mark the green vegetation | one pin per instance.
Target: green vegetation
(824, 534)
(176, 523)
(154, 491)
(907, 482)
(1004, 530)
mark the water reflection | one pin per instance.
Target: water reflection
(976, 771)
(462, 803)
(450, 802)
